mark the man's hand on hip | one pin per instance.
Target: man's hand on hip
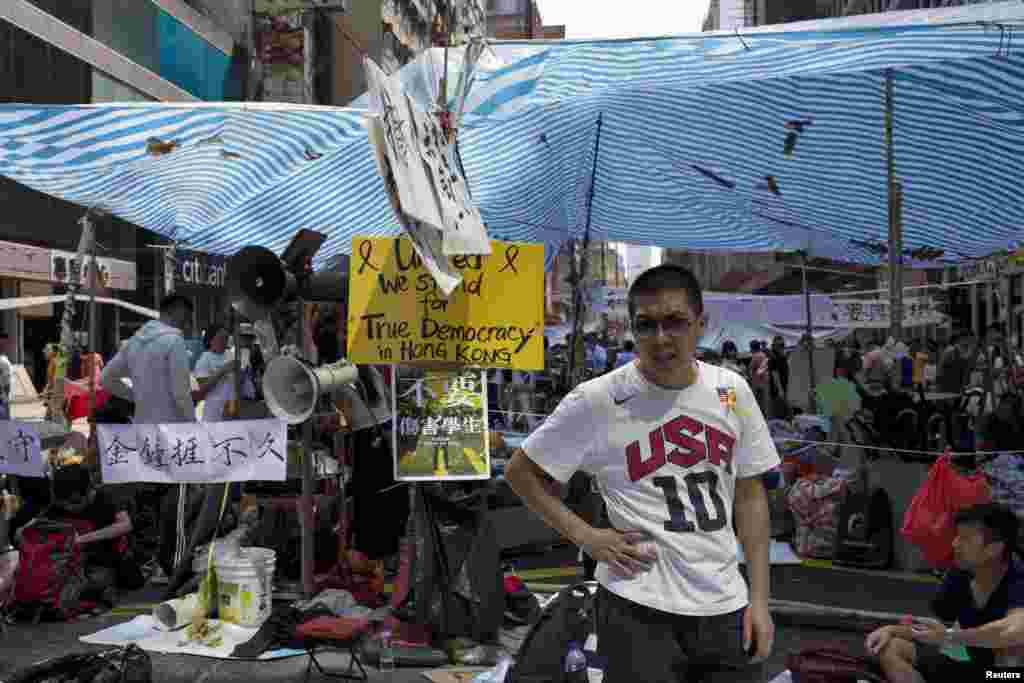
(615, 549)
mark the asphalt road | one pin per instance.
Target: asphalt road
(24, 645)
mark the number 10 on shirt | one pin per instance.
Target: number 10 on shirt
(694, 483)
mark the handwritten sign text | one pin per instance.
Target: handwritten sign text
(493, 319)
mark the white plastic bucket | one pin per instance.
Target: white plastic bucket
(245, 586)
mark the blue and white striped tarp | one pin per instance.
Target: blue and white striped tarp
(691, 128)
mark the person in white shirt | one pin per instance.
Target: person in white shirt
(6, 378)
(678, 448)
(214, 374)
(155, 360)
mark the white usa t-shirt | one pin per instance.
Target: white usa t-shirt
(666, 462)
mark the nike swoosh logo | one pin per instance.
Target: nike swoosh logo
(619, 402)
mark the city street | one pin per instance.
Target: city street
(797, 627)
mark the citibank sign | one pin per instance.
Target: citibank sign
(196, 268)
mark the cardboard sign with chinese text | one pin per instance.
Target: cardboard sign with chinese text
(194, 452)
(20, 451)
(493, 319)
(428, 241)
(440, 431)
(429, 184)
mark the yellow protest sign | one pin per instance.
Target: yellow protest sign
(493, 319)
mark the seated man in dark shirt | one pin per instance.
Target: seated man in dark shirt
(984, 595)
(75, 497)
(1001, 429)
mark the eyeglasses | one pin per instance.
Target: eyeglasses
(671, 326)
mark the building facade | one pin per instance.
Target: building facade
(519, 20)
(391, 32)
(730, 14)
(97, 51)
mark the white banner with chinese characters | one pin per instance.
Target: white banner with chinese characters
(874, 313)
(440, 429)
(20, 452)
(194, 452)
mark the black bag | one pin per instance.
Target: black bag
(123, 665)
(864, 535)
(129, 571)
(571, 616)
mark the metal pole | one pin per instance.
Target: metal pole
(896, 305)
(895, 241)
(584, 262)
(309, 57)
(236, 327)
(812, 396)
(93, 334)
(574, 279)
(306, 501)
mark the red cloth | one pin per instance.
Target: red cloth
(337, 629)
(514, 585)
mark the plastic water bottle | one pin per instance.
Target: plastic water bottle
(575, 664)
(386, 661)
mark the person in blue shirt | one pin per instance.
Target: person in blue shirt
(984, 595)
(597, 356)
(626, 355)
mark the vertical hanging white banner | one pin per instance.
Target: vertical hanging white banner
(20, 451)
(197, 453)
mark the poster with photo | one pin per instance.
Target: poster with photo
(440, 425)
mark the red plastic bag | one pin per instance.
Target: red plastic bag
(928, 522)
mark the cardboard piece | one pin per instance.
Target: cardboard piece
(462, 674)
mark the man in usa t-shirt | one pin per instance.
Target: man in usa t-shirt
(678, 448)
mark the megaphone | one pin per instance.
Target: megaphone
(258, 281)
(292, 388)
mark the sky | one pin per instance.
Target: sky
(635, 18)
(606, 19)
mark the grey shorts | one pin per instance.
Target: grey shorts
(643, 644)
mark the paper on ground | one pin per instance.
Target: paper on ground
(143, 631)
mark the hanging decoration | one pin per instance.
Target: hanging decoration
(796, 129)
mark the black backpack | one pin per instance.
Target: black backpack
(572, 615)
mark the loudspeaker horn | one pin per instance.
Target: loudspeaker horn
(258, 282)
(292, 388)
